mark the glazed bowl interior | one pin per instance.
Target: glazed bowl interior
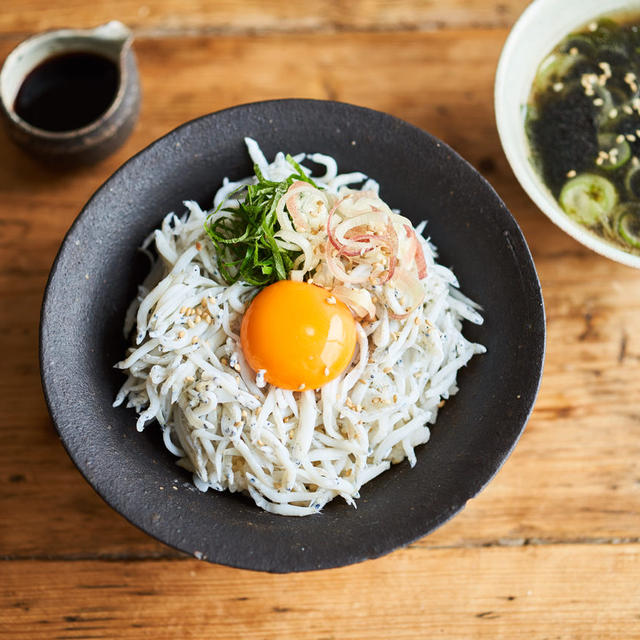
(538, 30)
(99, 266)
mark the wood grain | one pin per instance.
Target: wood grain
(574, 475)
(164, 17)
(551, 549)
(518, 593)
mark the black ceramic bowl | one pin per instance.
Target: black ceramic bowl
(95, 276)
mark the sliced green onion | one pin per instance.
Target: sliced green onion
(617, 149)
(604, 110)
(552, 69)
(632, 181)
(582, 43)
(627, 223)
(588, 198)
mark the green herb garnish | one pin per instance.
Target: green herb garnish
(245, 238)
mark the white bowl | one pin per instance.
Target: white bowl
(536, 33)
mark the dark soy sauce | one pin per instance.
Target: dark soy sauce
(68, 91)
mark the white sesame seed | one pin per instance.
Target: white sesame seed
(606, 67)
(598, 102)
(631, 137)
(627, 109)
(573, 51)
(620, 139)
(570, 174)
(635, 161)
(593, 26)
(558, 86)
(613, 113)
(599, 161)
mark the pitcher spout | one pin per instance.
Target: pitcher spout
(114, 33)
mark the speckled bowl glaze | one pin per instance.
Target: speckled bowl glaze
(101, 137)
(99, 267)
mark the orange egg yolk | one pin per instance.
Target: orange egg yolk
(299, 334)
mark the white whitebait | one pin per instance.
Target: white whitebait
(295, 451)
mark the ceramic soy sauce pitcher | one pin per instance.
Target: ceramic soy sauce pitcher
(71, 96)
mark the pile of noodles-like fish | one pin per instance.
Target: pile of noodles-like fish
(295, 451)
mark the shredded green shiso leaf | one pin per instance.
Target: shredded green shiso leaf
(244, 239)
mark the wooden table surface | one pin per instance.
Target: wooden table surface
(551, 549)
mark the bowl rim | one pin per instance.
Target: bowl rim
(445, 515)
(520, 165)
